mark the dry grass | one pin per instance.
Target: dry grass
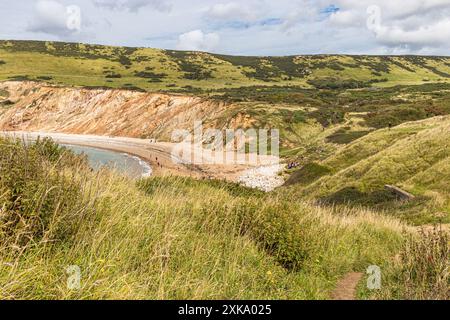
(422, 269)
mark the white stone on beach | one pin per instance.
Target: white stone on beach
(265, 178)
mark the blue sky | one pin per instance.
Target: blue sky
(251, 27)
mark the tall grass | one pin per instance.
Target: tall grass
(422, 269)
(171, 238)
(40, 197)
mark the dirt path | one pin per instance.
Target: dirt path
(346, 287)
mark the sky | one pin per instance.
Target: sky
(250, 27)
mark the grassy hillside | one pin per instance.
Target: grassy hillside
(414, 156)
(154, 69)
(169, 238)
(177, 238)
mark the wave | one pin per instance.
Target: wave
(147, 169)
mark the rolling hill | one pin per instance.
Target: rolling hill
(414, 156)
(155, 69)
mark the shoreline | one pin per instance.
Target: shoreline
(146, 165)
(159, 156)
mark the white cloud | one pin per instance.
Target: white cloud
(54, 18)
(134, 5)
(435, 34)
(251, 27)
(414, 25)
(345, 18)
(197, 40)
(231, 11)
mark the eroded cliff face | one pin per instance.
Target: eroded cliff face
(31, 106)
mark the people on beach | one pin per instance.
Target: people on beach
(293, 165)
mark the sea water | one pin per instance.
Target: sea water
(132, 166)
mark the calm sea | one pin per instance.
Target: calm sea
(130, 165)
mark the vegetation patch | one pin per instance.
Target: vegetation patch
(308, 174)
(395, 115)
(337, 84)
(112, 75)
(44, 78)
(353, 196)
(6, 103)
(4, 93)
(31, 192)
(154, 77)
(193, 70)
(343, 136)
(129, 86)
(19, 78)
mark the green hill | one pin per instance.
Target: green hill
(154, 69)
(414, 156)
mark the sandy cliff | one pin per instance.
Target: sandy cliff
(35, 106)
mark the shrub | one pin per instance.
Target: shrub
(4, 93)
(45, 78)
(277, 230)
(155, 77)
(6, 103)
(335, 84)
(395, 115)
(354, 196)
(19, 78)
(132, 87)
(38, 198)
(198, 74)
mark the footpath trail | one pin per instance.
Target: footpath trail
(346, 287)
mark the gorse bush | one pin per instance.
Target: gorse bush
(426, 263)
(335, 84)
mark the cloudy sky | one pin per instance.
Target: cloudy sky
(250, 27)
